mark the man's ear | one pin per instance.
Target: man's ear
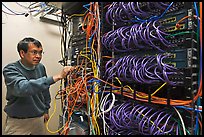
(22, 54)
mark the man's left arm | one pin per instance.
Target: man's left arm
(47, 98)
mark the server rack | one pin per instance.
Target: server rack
(144, 65)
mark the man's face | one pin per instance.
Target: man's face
(33, 55)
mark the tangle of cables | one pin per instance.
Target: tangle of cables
(148, 69)
(73, 97)
(146, 35)
(128, 118)
(134, 11)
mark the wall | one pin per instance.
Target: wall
(15, 28)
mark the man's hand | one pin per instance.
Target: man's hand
(63, 73)
(66, 70)
(46, 117)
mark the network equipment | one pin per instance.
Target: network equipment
(139, 68)
(153, 44)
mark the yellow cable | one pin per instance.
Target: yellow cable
(159, 88)
(79, 15)
(151, 122)
(146, 96)
(119, 80)
(53, 132)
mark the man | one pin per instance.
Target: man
(28, 96)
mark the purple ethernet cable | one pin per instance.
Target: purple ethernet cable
(132, 8)
(119, 67)
(149, 119)
(177, 130)
(109, 12)
(145, 14)
(158, 57)
(163, 128)
(141, 75)
(146, 33)
(169, 67)
(171, 129)
(158, 74)
(147, 58)
(135, 36)
(143, 116)
(143, 131)
(148, 67)
(124, 41)
(143, 121)
(124, 120)
(125, 68)
(156, 132)
(124, 6)
(140, 29)
(153, 37)
(160, 5)
(155, 123)
(132, 117)
(165, 69)
(109, 63)
(136, 121)
(109, 71)
(162, 39)
(140, 113)
(122, 16)
(113, 120)
(124, 117)
(149, 74)
(135, 70)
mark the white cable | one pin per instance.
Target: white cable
(47, 12)
(102, 105)
(103, 115)
(184, 129)
(41, 10)
(64, 116)
(104, 126)
(103, 112)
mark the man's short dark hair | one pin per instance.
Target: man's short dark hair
(23, 44)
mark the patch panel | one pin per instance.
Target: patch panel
(168, 20)
(177, 6)
(174, 28)
(149, 78)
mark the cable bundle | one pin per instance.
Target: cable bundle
(131, 119)
(130, 11)
(138, 36)
(148, 69)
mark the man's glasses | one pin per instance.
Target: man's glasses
(34, 52)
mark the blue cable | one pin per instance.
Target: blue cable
(86, 5)
(188, 108)
(197, 127)
(93, 80)
(154, 17)
(12, 11)
(198, 100)
(196, 9)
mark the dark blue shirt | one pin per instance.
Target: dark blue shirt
(27, 90)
